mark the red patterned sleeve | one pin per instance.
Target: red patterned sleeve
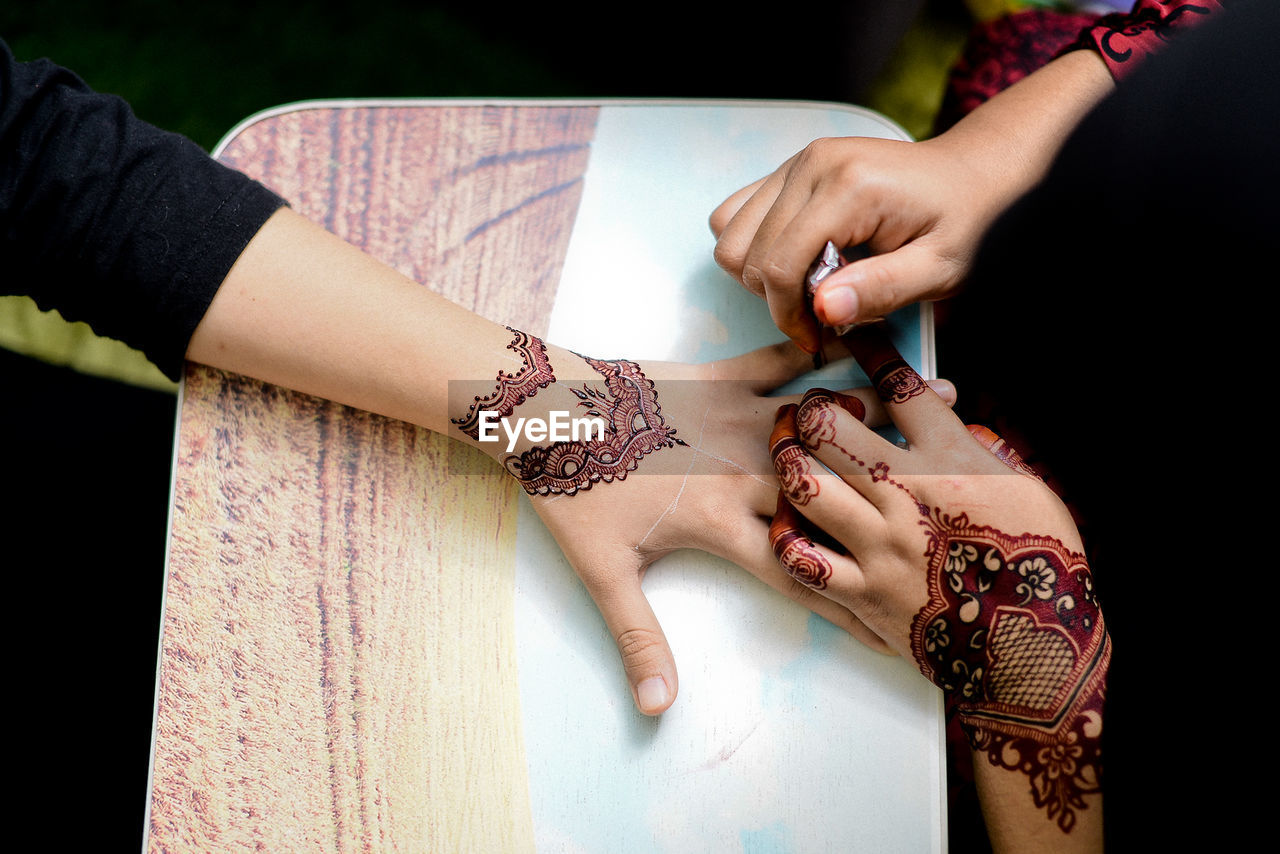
(1123, 40)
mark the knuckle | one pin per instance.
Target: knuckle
(640, 646)
(753, 279)
(881, 291)
(727, 255)
(820, 149)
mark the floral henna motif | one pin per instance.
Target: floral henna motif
(795, 550)
(791, 460)
(634, 427)
(898, 382)
(513, 389)
(817, 413)
(1014, 636)
(894, 380)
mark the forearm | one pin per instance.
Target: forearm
(1015, 825)
(305, 310)
(1009, 141)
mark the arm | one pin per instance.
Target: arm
(920, 208)
(305, 310)
(974, 569)
(141, 234)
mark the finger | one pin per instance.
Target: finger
(801, 477)
(811, 563)
(874, 414)
(727, 209)
(780, 257)
(642, 645)
(765, 368)
(859, 457)
(1002, 451)
(741, 233)
(915, 409)
(881, 284)
(751, 550)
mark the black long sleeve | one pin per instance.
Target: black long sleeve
(111, 220)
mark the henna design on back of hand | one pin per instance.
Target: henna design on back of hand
(1014, 636)
(634, 427)
(1012, 633)
(513, 389)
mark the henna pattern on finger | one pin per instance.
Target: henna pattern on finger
(894, 380)
(898, 382)
(513, 389)
(817, 414)
(795, 549)
(1013, 635)
(634, 427)
(791, 460)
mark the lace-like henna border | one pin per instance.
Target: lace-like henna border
(1027, 680)
(513, 389)
(634, 428)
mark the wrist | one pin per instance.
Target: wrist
(562, 422)
(1007, 143)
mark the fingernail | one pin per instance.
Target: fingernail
(944, 390)
(839, 306)
(651, 694)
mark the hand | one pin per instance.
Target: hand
(970, 566)
(612, 517)
(920, 209)
(682, 464)
(916, 207)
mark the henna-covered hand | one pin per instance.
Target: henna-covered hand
(960, 558)
(678, 464)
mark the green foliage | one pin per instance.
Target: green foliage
(199, 68)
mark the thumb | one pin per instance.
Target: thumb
(881, 284)
(642, 645)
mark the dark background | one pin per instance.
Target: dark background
(89, 459)
(199, 68)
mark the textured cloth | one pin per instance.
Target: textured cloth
(1003, 49)
(110, 220)
(1124, 40)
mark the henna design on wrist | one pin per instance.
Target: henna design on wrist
(513, 389)
(634, 427)
(1014, 636)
